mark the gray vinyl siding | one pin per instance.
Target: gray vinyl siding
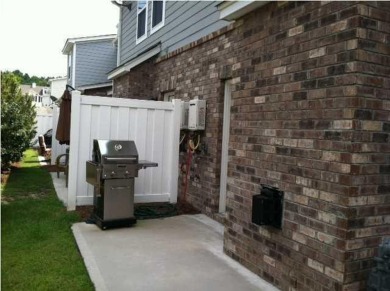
(93, 61)
(185, 21)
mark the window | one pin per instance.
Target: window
(158, 15)
(142, 17)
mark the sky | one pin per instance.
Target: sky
(33, 32)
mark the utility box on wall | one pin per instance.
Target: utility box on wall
(197, 114)
(267, 207)
(184, 114)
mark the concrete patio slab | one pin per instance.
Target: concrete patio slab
(59, 186)
(176, 253)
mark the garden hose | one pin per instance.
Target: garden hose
(181, 140)
(191, 144)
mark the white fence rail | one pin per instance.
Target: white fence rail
(153, 125)
(56, 148)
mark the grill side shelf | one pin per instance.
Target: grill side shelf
(146, 164)
(93, 173)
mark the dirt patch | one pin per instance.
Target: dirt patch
(36, 196)
(184, 207)
(5, 173)
(4, 177)
(6, 199)
(16, 165)
(20, 196)
(52, 168)
(84, 212)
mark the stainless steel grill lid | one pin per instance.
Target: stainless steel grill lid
(114, 152)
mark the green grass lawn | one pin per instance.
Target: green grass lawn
(38, 251)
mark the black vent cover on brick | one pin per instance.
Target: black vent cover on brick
(267, 207)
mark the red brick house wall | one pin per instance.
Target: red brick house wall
(137, 83)
(310, 115)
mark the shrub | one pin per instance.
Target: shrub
(17, 120)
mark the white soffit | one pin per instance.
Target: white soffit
(235, 9)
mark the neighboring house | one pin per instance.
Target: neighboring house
(89, 61)
(297, 98)
(57, 86)
(39, 94)
(42, 101)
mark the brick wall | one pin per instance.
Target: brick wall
(310, 119)
(193, 72)
(369, 199)
(137, 84)
(310, 115)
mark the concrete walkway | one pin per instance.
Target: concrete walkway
(176, 253)
(59, 186)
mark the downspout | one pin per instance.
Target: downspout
(119, 34)
(74, 66)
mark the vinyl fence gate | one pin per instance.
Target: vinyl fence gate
(153, 125)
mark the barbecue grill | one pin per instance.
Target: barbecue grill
(111, 171)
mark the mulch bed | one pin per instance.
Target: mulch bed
(156, 209)
(159, 209)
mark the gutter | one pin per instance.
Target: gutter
(139, 59)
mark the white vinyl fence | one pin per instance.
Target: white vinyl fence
(56, 148)
(43, 124)
(153, 125)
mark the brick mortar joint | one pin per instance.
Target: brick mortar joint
(197, 42)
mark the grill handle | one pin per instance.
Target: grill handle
(120, 187)
(146, 164)
(120, 159)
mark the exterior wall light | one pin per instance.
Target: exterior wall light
(126, 4)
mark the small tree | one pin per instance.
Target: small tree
(17, 120)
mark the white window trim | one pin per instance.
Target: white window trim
(142, 38)
(161, 24)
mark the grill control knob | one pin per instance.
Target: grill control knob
(113, 173)
(127, 172)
